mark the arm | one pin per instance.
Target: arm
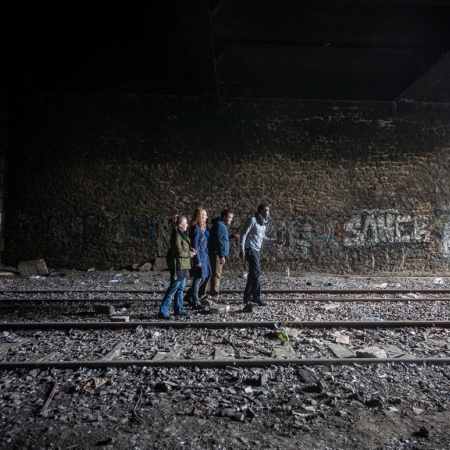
(178, 251)
(244, 233)
(267, 240)
(222, 239)
(195, 242)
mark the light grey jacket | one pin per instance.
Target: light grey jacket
(253, 233)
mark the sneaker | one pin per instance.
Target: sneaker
(182, 313)
(164, 316)
(259, 302)
(198, 306)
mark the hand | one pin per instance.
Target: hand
(199, 265)
(241, 254)
(222, 260)
(194, 251)
(237, 236)
(280, 242)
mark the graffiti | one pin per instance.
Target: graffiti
(144, 228)
(374, 227)
(442, 234)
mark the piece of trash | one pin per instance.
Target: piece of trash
(372, 319)
(282, 333)
(381, 286)
(111, 371)
(115, 281)
(438, 281)
(304, 412)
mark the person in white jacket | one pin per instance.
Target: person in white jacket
(253, 235)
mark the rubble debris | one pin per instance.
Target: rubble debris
(33, 268)
(371, 352)
(340, 351)
(50, 397)
(104, 309)
(120, 318)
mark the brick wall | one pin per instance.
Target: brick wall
(354, 187)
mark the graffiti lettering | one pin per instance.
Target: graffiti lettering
(374, 227)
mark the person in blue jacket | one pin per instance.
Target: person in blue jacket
(201, 268)
(218, 250)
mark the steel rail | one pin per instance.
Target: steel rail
(235, 291)
(221, 325)
(210, 363)
(230, 300)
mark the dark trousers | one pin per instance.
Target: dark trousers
(253, 288)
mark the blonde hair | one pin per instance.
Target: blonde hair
(197, 219)
(174, 221)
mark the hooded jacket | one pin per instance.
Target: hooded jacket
(253, 233)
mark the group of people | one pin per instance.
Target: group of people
(204, 252)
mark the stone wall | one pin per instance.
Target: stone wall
(353, 187)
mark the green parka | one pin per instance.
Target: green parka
(180, 255)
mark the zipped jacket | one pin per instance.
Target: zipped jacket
(253, 233)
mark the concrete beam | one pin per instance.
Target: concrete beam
(436, 74)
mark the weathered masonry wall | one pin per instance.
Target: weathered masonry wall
(4, 146)
(354, 187)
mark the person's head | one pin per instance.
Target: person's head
(179, 222)
(264, 210)
(199, 218)
(226, 216)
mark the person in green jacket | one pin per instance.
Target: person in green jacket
(179, 260)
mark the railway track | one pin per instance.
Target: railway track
(201, 324)
(79, 335)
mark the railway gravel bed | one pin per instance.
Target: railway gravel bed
(356, 406)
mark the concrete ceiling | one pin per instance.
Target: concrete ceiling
(318, 49)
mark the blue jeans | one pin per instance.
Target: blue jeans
(192, 293)
(253, 288)
(176, 288)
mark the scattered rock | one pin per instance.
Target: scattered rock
(33, 268)
(422, 432)
(340, 351)
(371, 352)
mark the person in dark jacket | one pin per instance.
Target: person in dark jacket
(179, 260)
(201, 268)
(218, 250)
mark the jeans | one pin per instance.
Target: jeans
(176, 288)
(253, 287)
(192, 293)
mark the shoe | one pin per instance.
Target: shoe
(259, 302)
(198, 306)
(164, 316)
(182, 313)
(187, 300)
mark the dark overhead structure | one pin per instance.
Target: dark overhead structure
(374, 50)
